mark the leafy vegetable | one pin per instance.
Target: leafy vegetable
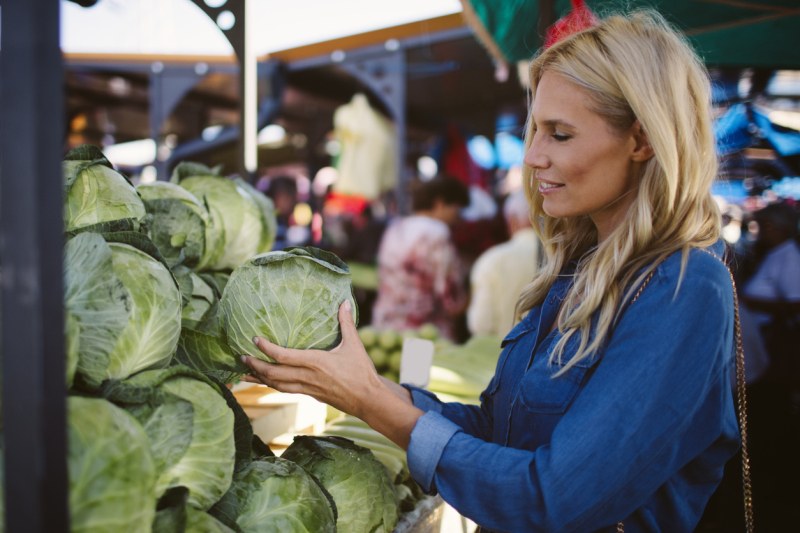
(111, 470)
(290, 297)
(236, 212)
(190, 427)
(96, 195)
(176, 222)
(359, 484)
(203, 345)
(267, 209)
(126, 303)
(276, 495)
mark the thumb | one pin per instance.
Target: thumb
(346, 322)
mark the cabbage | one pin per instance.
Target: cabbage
(177, 223)
(202, 343)
(247, 224)
(72, 335)
(276, 495)
(201, 522)
(97, 197)
(267, 210)
(111, 471)
(290, 297)
(359, 484)
(127, 305)
(190, 426)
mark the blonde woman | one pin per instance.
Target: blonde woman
(612, 399)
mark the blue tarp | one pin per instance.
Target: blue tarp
(742, 126)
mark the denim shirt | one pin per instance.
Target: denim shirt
(639, 433)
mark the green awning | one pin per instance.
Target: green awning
(726, 33)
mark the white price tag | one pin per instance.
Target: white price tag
(416, 361)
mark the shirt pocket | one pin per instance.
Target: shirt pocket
(509, 344)
(543, 392)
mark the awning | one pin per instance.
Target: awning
(725, 33)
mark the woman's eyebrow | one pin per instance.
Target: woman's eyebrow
(554, 123)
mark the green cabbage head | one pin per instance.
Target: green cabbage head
(236, 212)
(203, 345)
(126, 303)
(359, 484)
(290, 297)
(273, 495)
(190, 427)
(111, 470)
(177, 223)
(97, 197)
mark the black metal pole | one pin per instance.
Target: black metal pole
(31, 247)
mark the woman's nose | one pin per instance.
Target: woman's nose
(534, 157)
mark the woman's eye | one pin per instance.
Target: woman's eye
(561, 137)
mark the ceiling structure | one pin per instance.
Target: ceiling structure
(449, 79)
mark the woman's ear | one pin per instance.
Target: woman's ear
(642, 151)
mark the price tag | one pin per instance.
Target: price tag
(416, 361)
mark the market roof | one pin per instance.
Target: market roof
(181, 28)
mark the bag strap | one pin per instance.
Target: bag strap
(741, 399)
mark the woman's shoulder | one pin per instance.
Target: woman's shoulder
(698, 269)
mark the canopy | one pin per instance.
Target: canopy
(726, 33)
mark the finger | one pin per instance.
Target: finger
(346, 323)
(279, 354)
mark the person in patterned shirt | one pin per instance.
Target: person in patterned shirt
(420, 277)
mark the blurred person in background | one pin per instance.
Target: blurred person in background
(770, 315)
(773, 291)
(283, 192)
(421, 279)
(500, 273)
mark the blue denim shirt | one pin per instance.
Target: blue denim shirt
(639, 433)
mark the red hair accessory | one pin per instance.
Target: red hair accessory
(578, 19)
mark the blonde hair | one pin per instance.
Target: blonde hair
(634, 67)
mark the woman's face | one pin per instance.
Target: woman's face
(581, 166)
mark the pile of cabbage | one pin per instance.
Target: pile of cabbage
(165, 285)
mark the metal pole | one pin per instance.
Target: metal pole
(31, 247)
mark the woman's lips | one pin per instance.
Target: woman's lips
(546, 187)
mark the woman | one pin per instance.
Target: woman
(611, 399)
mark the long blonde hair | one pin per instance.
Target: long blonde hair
(634, 67)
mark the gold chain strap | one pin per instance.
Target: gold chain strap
(741, 402)
(741, 408)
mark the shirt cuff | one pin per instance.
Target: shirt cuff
(429, 437)
(423, 399)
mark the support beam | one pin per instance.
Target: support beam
(31, 287)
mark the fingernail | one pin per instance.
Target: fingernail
(244, 359)
(255, 341)
(347, 305)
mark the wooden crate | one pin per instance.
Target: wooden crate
(278, 416)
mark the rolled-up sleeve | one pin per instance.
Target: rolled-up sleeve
(429, 437)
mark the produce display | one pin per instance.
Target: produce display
(165, 285)
(393, 457)
(358, 483)
(276, 495)
(385, 346)
(461, 372)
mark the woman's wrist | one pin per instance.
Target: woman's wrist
(389, 410)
